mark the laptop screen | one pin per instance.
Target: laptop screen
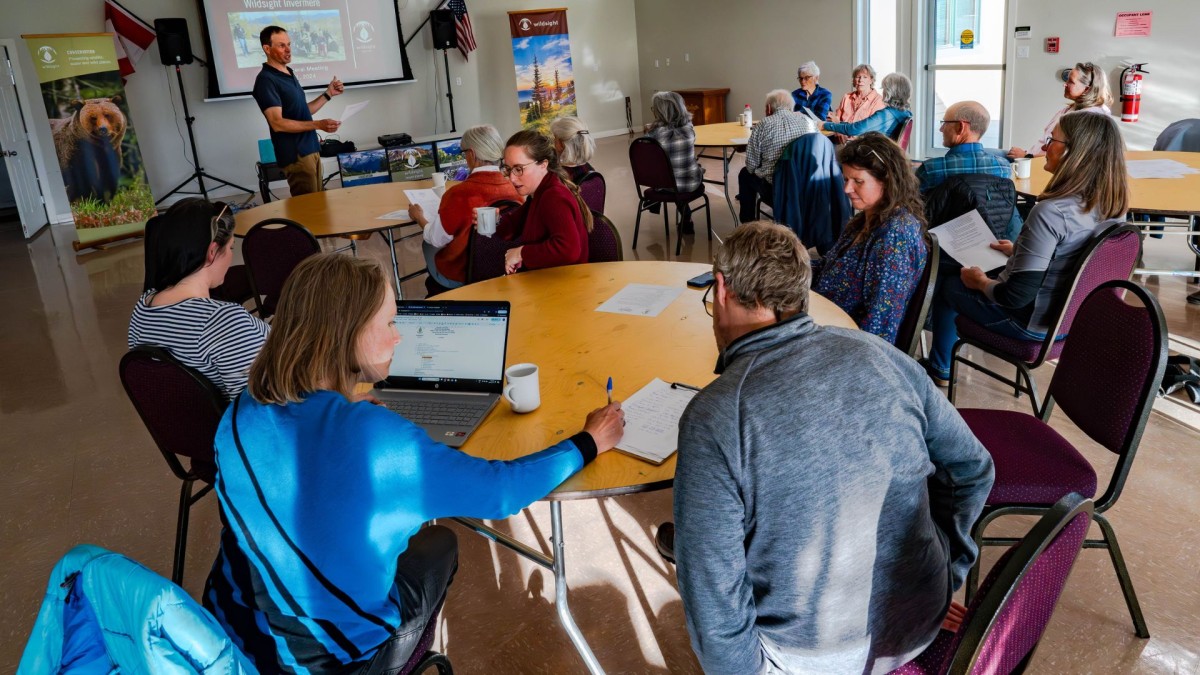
(450, 345)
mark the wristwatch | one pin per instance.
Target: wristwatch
(327, 96)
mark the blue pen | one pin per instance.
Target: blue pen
(610, 391)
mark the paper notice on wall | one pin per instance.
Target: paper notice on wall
(1133, 24)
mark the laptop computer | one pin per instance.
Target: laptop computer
(448, 370)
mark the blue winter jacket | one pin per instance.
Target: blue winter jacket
(104, 613)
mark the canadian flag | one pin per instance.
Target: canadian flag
(131, 37)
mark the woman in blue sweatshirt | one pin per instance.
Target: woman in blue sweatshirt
(324, 566)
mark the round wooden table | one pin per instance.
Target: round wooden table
(341, 212)
(1178, 197)
(554, 323)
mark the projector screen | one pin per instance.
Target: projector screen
(358, 41)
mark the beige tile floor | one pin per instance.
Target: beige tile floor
(79, 467)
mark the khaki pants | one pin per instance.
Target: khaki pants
(304, 175)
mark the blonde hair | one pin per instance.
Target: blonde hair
(1096, 80)
(765, 265)
(325, 304)
(1094, 167)
(578, 146)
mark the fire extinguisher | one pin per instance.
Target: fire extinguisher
(1131, 92)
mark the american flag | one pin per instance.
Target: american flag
(462, 25)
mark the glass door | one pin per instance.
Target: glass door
(964, 61)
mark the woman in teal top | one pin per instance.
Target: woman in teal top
(897, 90)
(324, 565)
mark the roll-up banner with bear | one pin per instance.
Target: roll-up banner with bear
(542, 55)
(93, 135)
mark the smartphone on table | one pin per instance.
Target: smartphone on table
(703, 281)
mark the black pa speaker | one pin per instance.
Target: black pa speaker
(174, 45)
(445, 35)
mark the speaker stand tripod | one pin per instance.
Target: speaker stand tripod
(198, 172)
(449, 91)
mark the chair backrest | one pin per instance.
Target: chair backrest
(235, 288)
(908, 336)
(994, 197)
(485, 256)
(180, 408)
(651, 165)
(1110, 369)
(505, 205)
(593, 190)
(1014, 604)
(604, 242)
(902, 132)
(272, 249)
(1110, 255)
(1180, 136)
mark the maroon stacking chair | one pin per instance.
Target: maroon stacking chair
(593, 190)
(1110, 255)
(423, 657)
(272, 249)
(908, 335)
(604, 242)
(485, 255)
(1105, 383)
(652, 171)
(235, 288)
(1007, 618)
(901, 133)
(181, 409)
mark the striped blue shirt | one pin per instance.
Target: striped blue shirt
(961, 159)
(217, 339)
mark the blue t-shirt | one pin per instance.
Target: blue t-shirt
(274, 89)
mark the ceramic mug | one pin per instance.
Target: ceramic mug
(522, 392)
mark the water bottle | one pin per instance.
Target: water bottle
(747, 117)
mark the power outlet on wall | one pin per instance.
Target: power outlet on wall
(458, 81)
(668, 62)
(655, 63)
(1023, 52)
(686, 58)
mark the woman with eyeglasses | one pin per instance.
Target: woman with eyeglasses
(1087, 90)
(874, 266)
(897, 90)
(554, 221)
(861, 101)
(188, 250)
(811, 95)
(1088, 193)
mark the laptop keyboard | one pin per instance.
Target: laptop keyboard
(439, 413)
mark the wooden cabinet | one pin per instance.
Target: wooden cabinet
(707, 106)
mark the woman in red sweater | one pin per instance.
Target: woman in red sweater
(553, 222)
(447, 234)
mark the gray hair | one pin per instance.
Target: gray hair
(577, 142)
(863, 68)
(897, 89)
(971, 112)
(669, 110)
(765, 265)
(780, 99)
(810, 67)
(485, 142)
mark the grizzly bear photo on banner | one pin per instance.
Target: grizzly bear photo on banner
(94, 137)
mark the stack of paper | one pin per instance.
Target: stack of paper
(968, 240)
(641, 299)
(652, 421)
(1158, 168)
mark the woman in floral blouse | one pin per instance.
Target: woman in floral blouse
(873, 267)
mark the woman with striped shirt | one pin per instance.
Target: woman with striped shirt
(188, 251)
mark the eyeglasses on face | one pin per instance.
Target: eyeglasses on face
(708, 306)
(945, 122)
(1055, 140)
(518, 169)
(804, 78)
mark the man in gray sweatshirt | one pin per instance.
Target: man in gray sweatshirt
(825, 489)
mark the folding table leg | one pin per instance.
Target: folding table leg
(391, 242)
(560, 593)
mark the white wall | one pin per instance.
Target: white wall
(1171, 91)
(751, 46)
(603, 46)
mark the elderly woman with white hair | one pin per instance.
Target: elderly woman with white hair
(897, 90)
(811, 95)
(672, 128)
(448, 231)
(1087, 90)
(574, 145)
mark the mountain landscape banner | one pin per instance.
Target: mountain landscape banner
(542, 55)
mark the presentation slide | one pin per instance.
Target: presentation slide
(357, 41)
(450, 348)
(411, 162)
(450, 154)
(364, 167)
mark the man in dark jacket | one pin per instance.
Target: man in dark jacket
(825, 489)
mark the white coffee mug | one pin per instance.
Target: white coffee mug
(439, 179)
(485, 220)
(1024, 165)
(522, 392)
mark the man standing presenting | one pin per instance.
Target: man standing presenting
(767, 141)
(821, 524)
(289, 114)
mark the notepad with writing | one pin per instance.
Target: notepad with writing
(652, 421)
